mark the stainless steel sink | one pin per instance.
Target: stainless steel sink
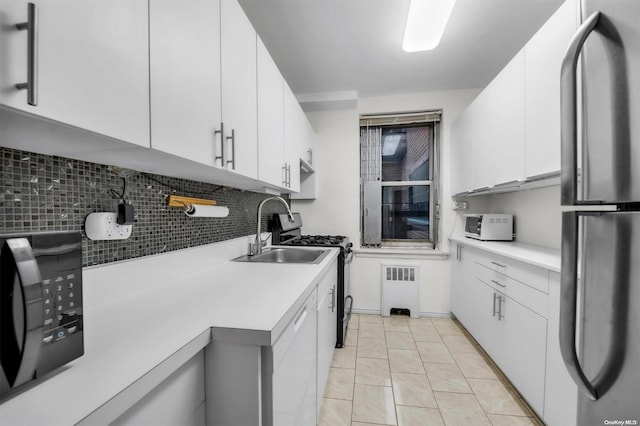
(286, 255)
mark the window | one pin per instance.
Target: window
(399, 179)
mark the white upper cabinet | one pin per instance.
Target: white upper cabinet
(543, 57)
(295, 134)
(500, 130)
(271, 166)
(514, 133)
(307, 172)
(461, 143)
(91, 62)
(185, 78)
(487, 140)
(239, 90)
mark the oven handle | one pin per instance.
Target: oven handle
(348, 314)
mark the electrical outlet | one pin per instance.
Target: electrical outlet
(460, 205)
(104, 226)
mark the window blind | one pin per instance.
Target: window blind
(400, 119)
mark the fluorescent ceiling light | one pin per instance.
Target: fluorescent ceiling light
(390, 144)
(426, 22)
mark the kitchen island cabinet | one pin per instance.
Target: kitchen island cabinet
(507, 296)
(88, 72)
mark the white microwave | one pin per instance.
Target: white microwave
(489, 226)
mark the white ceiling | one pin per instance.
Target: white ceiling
(326, 46)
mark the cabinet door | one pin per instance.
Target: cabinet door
(178, 400)
(543, 57)
(185, 78)
(270, 119)
(523, 351)
(239, 89)
(561, 393)
(327, 326)
(92, 64)
(294, 375)
(461, 156)
(470, 299)
(294, 135)
(498, 153)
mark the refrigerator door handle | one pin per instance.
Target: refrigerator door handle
(568, 112)
(568, 304)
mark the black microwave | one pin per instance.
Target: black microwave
(40, 306)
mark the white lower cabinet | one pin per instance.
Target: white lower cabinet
(172, 393)
(179, 400)
(294, 375)
(277, 384)
(327, 330)
(561, 396)
(508, 318)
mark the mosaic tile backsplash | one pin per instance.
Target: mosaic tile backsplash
(46, 193)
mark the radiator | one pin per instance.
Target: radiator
(400, 289)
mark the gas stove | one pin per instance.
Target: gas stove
(287, 232)
(321, 240)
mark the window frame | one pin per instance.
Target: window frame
(414, 119)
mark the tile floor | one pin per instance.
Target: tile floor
(402, 371)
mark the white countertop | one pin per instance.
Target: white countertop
(544, 257)
(172, 299)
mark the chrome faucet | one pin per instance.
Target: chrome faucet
(256, 249)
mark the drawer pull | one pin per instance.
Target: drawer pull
(498, 283)
(499, 264)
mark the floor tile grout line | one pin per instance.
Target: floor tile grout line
(502, 378)
(529, 413)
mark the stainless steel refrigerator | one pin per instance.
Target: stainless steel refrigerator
(600, 192)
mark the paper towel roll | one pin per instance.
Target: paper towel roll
(206, 211)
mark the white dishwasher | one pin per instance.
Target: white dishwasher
(294, 369)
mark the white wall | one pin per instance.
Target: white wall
(337, 208)
(538, 217)
(336, 156)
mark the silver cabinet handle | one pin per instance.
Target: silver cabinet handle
(568, 112)
(333, 298)
(568, 303)
(498, 283)
(501, 300)
(288, 175)
(284, 174)
(495, 297)
(31, 26)
(222, 157)
(232, 138)
(310, 152)
(499, 264)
